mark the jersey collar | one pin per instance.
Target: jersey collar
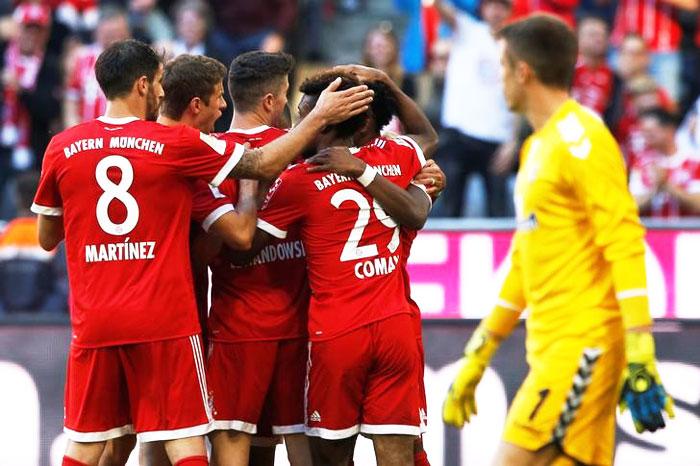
(256, 130)
(117, 121)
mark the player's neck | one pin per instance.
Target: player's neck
(167, 121)
(592, 61)
(122, 108)
(543, 102)
(247, 120)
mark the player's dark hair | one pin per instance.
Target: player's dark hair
(187, 77)
(547, 44)
(253, 75)
(314, 85)
(662, 116)
(26, 185)
(122, 63)
(384, 104)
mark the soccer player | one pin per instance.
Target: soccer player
(257, 322)
(363, 360)
(577, 264)
(119, 187)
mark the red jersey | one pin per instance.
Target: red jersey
(82, 86)
(683, 172)
(268, 298)
(353, 248)
(654, 20)
(593, 87)
(124, 188)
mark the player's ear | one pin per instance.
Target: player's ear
(523, 72)
(268, 102)
(195, 105)
(142, 85)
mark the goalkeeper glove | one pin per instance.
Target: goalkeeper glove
(460, 404)
(642, 391)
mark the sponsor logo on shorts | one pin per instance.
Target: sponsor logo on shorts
(315, 417)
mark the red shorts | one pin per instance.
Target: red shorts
(421, 388)
(156, 389)
(365, 381)
(268, 387)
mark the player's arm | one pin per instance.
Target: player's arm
(598, 178)
(460, 402)
(433, 178)
(332, 107)
(409, 207)
(415, 123)
(51, 232)
(447, 13)
(237, 227)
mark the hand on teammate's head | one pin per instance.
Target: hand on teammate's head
(337, 106)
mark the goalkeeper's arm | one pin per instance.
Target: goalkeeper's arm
(460, 403)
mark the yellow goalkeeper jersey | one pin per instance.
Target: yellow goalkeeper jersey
(578, 252)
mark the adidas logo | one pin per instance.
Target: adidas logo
(315, 417)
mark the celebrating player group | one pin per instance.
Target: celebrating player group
(311, 334)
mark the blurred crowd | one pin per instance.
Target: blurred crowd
(639, 69)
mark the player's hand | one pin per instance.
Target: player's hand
(363, 73)
(334, 106)
(460, 403)
(337, 160)
(642, 390)
(433, 178)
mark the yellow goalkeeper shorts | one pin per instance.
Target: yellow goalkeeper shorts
(569, 398)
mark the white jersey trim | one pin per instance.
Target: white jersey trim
(332, 434)
(45, 210)
(416, 147)
(633, 293)
(425, 190)
(394, 429)
(98, 436)
(271, 229)
(238, 151)
(117, 121)
(289, 430)
(239, 426)
(256, 130)
(507, 305)
(215, 215)
(156, 435)
(201, 377)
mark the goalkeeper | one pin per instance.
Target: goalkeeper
(577, 265)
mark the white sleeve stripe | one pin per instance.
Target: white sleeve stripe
(425, 190)
(44, 210)
(416, 147)
(229, 165)
(507, 305)
(271, 229)
(215, 215)
(633, 293)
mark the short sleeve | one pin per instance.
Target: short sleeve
(47, 200)
(199, 155)
(209, 204)
(284, 205)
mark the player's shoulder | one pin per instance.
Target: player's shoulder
(580, 130)
(257, 136)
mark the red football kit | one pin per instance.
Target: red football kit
(682, 170)
(258, 317)
(363, 360)
(593, 87)
(124, 189)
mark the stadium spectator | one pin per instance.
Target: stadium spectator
(242, 25)
(478, 127)
(31, 279)
(148, 23)
(595, 83)
(641, 94)
(381, 51)
(665, 179)
(192, 25)
(31, 83)
(656, 22)
(420, 34)
(688, 135)
(83, 99)
(80, 17)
